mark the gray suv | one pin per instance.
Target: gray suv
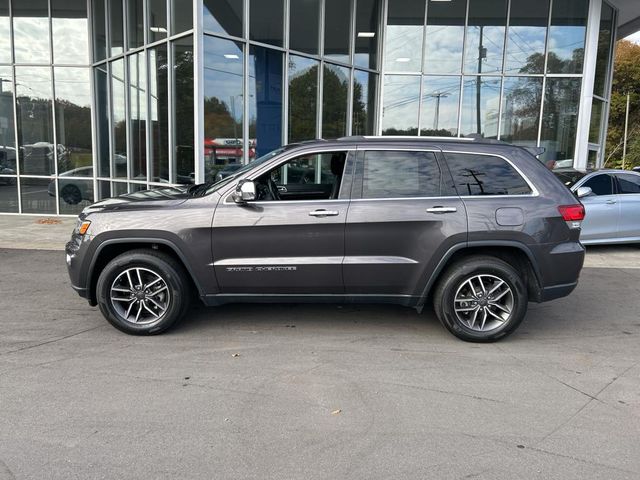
(476, 228)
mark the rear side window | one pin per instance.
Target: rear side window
(629, 183)
(600, 184)
(398, 174)
(485, 175)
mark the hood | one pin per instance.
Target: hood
(156, 198)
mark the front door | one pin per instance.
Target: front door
(291, 239)
(602, 209)
(629, 198)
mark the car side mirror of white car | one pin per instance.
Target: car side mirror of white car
(583, 192)
(245, 192)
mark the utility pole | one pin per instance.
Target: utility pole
(626, 130)
(438, 96)
(482, 54)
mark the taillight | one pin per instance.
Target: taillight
(572, 213)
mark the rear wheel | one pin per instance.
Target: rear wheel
(481, 299)
(143, 292)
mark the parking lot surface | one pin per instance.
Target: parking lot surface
(318, 391)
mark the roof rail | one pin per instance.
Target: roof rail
(410, 137)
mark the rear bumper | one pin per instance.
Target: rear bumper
(557, 291)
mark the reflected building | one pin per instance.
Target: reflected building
(104, 97)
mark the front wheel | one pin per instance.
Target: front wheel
(481, 299)
(143, 292)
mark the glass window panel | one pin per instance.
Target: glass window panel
(70, 31)
(337, 29)
(403, 41)
(266, 21)
(604, 50)
(223, 16)
(118, 119)
(304, 26)
(157, 20)
(485, 36)
(389, 174)
(183, 110)
(116, 28)
(8, 195)
(35, 116)
(366, 34)
(38, 195)
(265, 100)
(119, 188)
(485, 175)
(600, 184)
(223, 103)
(445, 36)
(102, 121)
(104, 189)
(335, 83)
(560, 118)
(596, 121)
(567, 36)
(401, 102)
(521, 102)
(73, 121)
(592, 159)
(364, 103)
(135, 23)
(138, 187)
(138, 115)
(440, 104)
(527, 36)
(5, 33)
(74, 195)
(31, 31)
(303, 94)
(159, 97)
(480, 106)
(99, 30)
(7, 132)
(181, 16)
(629, 183)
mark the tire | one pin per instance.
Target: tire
(143, 311)
(456, 289)
(71, 194)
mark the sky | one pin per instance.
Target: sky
(635, 38)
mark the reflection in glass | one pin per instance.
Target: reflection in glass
(596, 121)
(480, 106)
(74, 194)
(445, 34)
(7, 132)
(560, 118)
(73, 121)
(35, 115)
(335, 83)
(567, 36)
(135, 23)
(31, 31)
(157, 20)
(485, 36)
(364, 101)
(526, 36)
(181, 16)
(183, 110)
(223, 16)
(38, 195)
(118, 188)
(303, 29)
(403, 41)
(337, 25)
(118, 119)
(8, 195)
(223, 103)
(266, 21)
(303, 94)
(401, 102)
(99, 30)
(366, 34)
(159, 98)
(102, 120)
(116, 28)
(104, 189)
(5, 34)
(592, 159)
(70, 31)
(521, 102)
(440, 103)
(138, 115)
(604, 49)
(265, 101)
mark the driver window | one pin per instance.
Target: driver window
(314, 176)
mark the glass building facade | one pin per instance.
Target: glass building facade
(104, 97)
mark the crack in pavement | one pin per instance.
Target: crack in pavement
(54, 340)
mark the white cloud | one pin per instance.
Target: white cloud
(635, 38)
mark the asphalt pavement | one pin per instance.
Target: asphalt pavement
(318, 391)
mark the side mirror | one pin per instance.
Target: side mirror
(245, 192)
(583, 192)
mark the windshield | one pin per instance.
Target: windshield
(251, 165)
(569, 177)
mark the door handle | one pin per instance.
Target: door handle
(323, 213)
(440, 209)
(611, 202)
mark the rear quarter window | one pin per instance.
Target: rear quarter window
(480, 175)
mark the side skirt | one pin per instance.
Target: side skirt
(224, 298)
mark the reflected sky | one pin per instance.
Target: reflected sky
(489, 99)
(440, 103)
(31, 39)
(401, 100)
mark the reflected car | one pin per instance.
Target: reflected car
(74, 190)
(612, 202)
(228, 170)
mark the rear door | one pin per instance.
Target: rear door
(602, 208)
(629, 198)
(401, 220)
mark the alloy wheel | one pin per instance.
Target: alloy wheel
(484, 302)
(140, 296)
